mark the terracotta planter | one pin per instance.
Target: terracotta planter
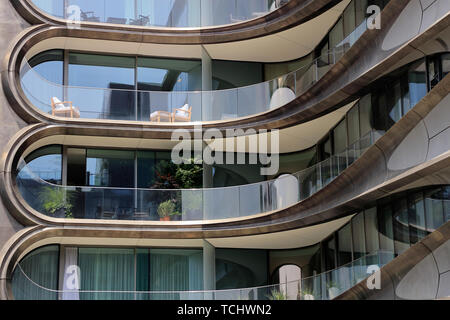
(164, 218)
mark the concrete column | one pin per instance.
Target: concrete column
(209, 266)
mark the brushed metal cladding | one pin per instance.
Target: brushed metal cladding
(413, 275)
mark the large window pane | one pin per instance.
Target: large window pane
(434, 209)
(157, 74)
(340, 137)
(401, 226)
(337, 34)
(359, 241)
(113, 76)
(371, 229)
(233, 74)
(41, 267)
(106, 269)
(45, 163)
(365, 113)
(345, 245)
(386, 229)
(240, 268)
(176, 270)
(353, 124)
(349, 19)
(110, 168)
(417, 79)
(416, 210)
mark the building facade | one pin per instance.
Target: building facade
(217, 149)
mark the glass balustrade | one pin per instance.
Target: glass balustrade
(156, 13)
(164, 106)
(184, 204)
(324, 286)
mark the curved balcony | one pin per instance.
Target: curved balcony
(184, 204)
(72, 102)
(324, 286)
(171, 13)
(332, 88)
(194, 21)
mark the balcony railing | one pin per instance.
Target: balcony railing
(324, 286)
(140, 105)
(185, 204)
(167, 13)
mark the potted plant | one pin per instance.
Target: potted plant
(56, 202)
(167, 209)
(333, 290)
(308, 294)
(277, 295)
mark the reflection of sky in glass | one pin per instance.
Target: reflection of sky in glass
(94, 100)
(152, 75)
(47, 167)
(168, 13)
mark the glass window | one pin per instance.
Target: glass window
(39, 268)
(417, 80)
(45, 163)
(330, 254)
(371, 229)
(395, 104)
(53, 7)
(340, 137)
(176, 270)
(106, 269)
(110, 168)
(434, 209)
(145, 168)
(445, 64)
(240, 268)
(386, 229)
(446, 200)
(401, 226)
(365, 114)
(349, 19)
(417, 223)
(113, 75)
(353, 124)
(275, 70)
(359, 241)
(76, 167)
(101, 71)
(46, 65)
(336, 34)
(233, 74)
(361, 9)
(345, 245)
(157, 74)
